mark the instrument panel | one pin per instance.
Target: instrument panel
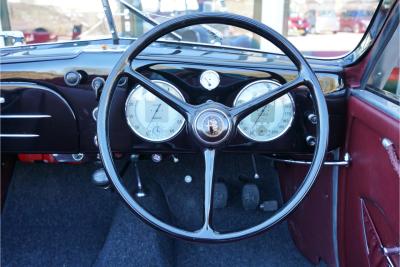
(153, 120)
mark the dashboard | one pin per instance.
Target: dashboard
(50, 102)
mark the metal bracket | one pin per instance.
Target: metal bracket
(345, 162)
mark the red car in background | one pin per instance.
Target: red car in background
(299, 25)
(39, 35)
(355, 20)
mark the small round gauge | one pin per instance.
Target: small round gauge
(269, 122)
(209, 79)
(151, 118)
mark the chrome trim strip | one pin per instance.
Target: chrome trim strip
(379, 102)
(335, 190)
(19, 135)
(23, 116)
(14, 85)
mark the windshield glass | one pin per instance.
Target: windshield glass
(320, 28)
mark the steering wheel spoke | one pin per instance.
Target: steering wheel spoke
(209, 159)
(245, 109)
(185, 109)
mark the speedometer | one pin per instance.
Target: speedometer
(269, 122)
(151, 118)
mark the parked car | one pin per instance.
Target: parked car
(39, 35)
(323, 21)
(355, 20)
(298, 25)
(11, 38)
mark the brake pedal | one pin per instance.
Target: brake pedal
(220, 197)
(250, 197)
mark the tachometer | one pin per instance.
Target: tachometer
(270, 121)
(151, 118)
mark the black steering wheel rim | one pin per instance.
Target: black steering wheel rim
(306, 77)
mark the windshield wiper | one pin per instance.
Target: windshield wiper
(110, 20)
(147, 19)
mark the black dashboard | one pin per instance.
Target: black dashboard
(45, 110)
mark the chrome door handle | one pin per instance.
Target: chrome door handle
(391, 151)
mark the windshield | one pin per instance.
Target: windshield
(319, 28)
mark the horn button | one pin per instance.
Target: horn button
(212, 126)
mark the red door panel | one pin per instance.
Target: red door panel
(369, 189)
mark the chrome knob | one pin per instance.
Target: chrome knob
(311, 140)
(312, 118)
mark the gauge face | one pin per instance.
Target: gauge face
(149, 117)
(209, 79)
(270, 121)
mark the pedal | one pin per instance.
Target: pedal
(220, 197)
(269, 205)
(250, 196)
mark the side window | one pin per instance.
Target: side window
(385, 76)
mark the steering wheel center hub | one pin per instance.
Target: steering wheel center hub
(212, 126)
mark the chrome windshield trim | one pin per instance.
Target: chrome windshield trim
(110, 20)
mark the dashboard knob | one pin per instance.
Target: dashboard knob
(156, 158)
(311, 140)
(312, 118)
(72, 78)
(97, 86)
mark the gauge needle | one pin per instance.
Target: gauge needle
(259, 116)
(154, 115)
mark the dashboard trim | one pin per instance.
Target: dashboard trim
(24, 116)
(19, 135)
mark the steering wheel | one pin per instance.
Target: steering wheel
(198, 117)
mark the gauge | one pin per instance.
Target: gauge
(269, 122)
(151, 118)
(209, 79)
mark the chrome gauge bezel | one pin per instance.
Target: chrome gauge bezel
(242, 132)
(143, 136)
(206, 73)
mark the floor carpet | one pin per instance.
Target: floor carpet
(54, 216)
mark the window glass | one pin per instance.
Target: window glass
(58, 20)
(385, 75)
(322, 28)
(319, 28)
